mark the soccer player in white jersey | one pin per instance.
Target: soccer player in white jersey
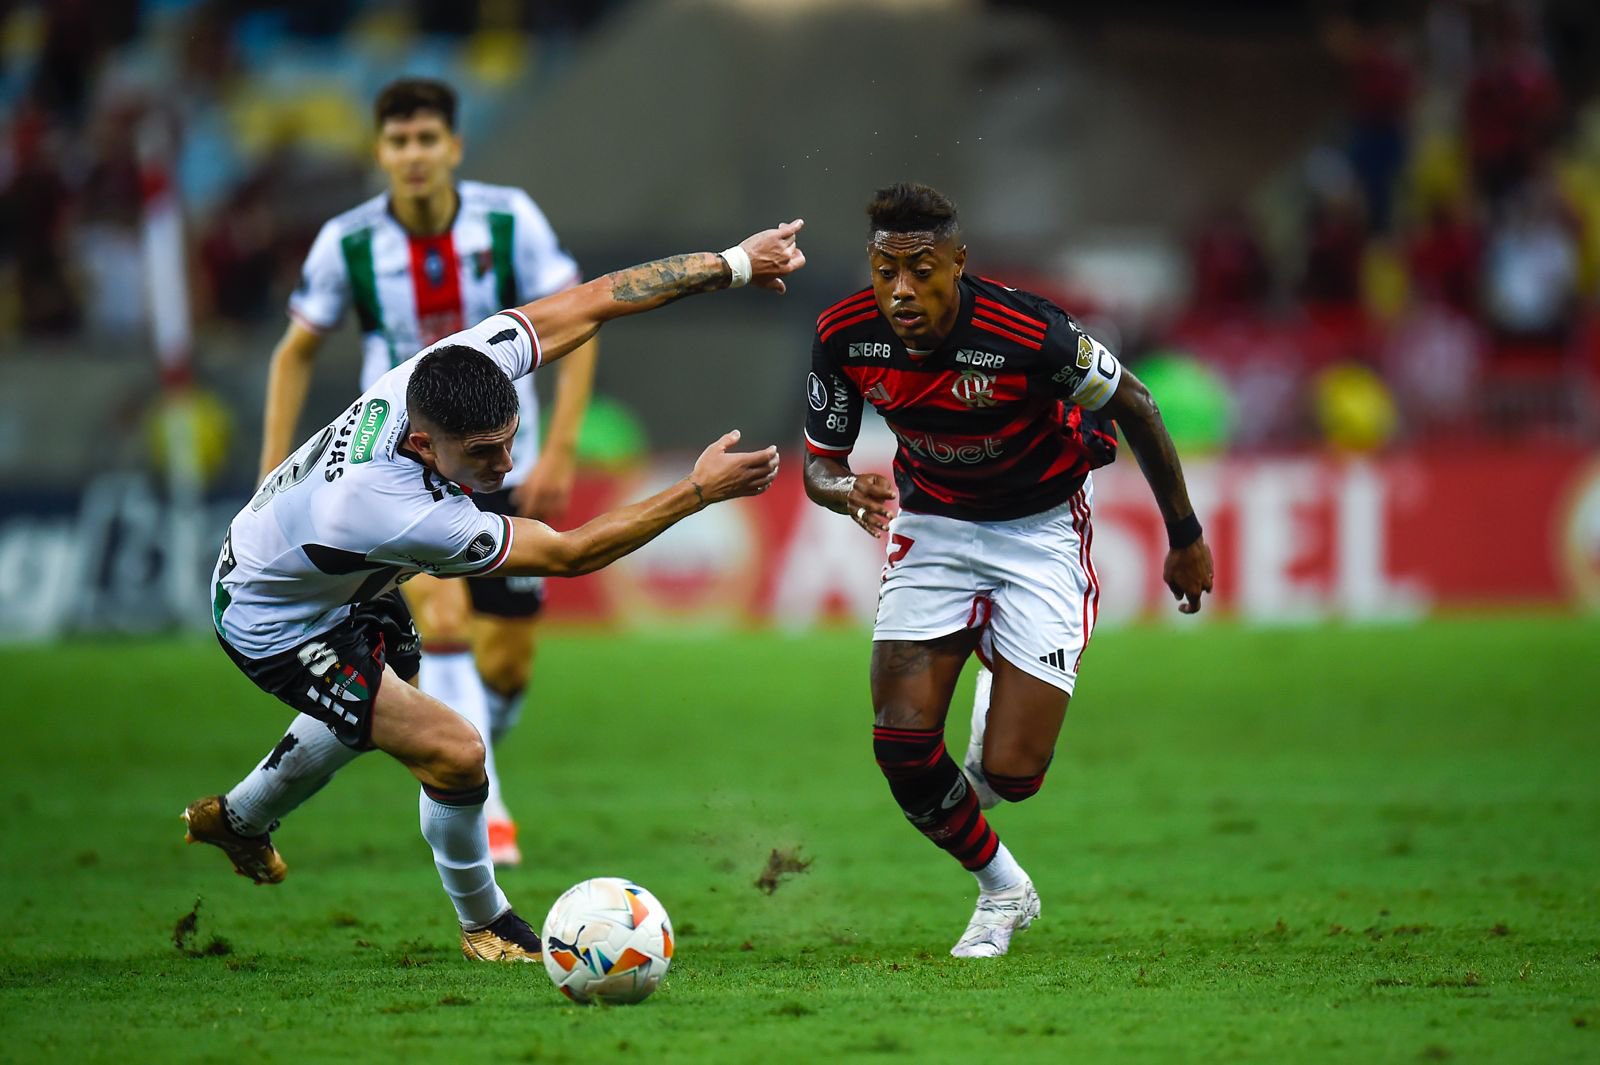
(417, 262)
(304, 591)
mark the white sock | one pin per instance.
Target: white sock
(980, 710)
(1001, 874)
(459, 836)
(504, 712)
(296, 769)
(453, 680)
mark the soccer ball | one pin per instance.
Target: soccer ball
(607, 940)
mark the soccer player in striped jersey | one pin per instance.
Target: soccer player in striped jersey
(998, 399)
(423, 259)
(304, 590)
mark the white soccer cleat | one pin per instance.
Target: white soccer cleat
(972, 764)
(996, 919)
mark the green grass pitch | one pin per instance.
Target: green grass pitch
(1322, 844)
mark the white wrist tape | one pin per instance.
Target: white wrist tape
(739, 262)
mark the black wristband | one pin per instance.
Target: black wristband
(1183, 532)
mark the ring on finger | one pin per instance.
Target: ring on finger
(861, 513)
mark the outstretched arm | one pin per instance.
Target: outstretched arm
(570, 317)
(1187, 569)
(539, 551)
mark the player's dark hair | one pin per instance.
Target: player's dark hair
(461, 392)
(407, 96)
(906, 207)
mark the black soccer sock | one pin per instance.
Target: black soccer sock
(933, 793)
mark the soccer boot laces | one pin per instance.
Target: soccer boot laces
(506, 938)
(996, 919)
(253, 857)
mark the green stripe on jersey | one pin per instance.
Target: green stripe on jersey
(502, 227)
(220, 600)
(357, 249)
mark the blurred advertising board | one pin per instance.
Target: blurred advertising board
(1296, 539)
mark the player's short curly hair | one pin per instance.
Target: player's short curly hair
(461, 392)
(406, 96)
(907, 207)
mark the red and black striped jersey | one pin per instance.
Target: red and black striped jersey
(982, 420)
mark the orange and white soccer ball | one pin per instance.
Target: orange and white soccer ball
(607, 940)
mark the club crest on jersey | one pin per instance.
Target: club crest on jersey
(433, 267)
(482, 262)
(816, 392)
(1085, 352)
(974, 388)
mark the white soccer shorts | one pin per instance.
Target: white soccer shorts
(1027, 583)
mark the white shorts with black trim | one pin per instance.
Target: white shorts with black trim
(1028, 584)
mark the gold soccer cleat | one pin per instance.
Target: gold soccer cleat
(253, 857)
(507, 938)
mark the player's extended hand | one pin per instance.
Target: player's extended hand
(871, 502)
(774, 253)
(723, 474)
(548, 488)
(1187, 573)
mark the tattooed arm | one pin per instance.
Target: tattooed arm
(568, 318)
(867, 497)
(1187, 570)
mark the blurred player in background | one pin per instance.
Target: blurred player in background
(986, 390)
(304, 593)
(420, 261)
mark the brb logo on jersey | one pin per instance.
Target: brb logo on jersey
(974, 388)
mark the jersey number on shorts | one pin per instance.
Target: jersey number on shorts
(898, 546)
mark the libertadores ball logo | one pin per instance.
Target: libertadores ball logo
(1581, 538)
(816, 392)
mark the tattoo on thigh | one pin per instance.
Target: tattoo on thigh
(900, 658)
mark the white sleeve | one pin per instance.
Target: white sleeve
(508, 338)
(542, 264)
(452, 538)
(319, 301)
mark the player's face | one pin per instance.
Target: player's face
(419, 153)
(914, 276)
(480, 461)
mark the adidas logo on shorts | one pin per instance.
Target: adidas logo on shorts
(1056, 659)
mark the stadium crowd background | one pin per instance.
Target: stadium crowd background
(1318, 228)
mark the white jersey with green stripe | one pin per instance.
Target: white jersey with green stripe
(353, 513)
(409, 290)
